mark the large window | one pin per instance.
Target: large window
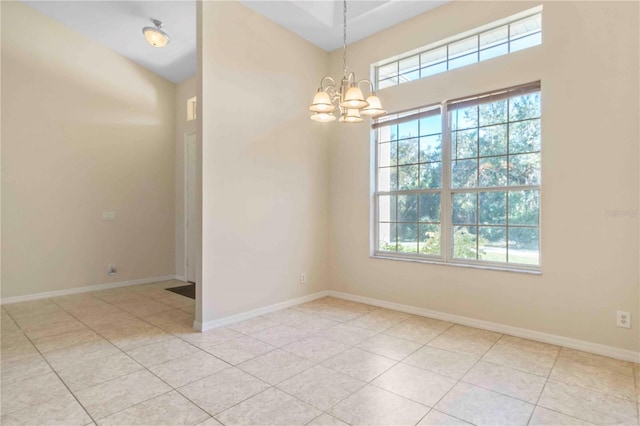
(460, 181)
(517, 33)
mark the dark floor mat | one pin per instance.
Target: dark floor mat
(188, 290)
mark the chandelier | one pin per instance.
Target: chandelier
(347, 100)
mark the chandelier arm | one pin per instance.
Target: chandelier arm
(331, 89)
(334, 95)
(371, 90)
(323, 87)
(347, 107)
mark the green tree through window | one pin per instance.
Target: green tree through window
(492, 201)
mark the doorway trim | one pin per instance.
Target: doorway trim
(185, 187)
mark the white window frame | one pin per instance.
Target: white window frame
(446, 43)
(446, 197)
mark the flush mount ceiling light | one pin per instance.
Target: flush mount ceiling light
(347, 99)
(155, 36)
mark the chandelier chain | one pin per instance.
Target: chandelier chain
(344, 38)
(346, 99)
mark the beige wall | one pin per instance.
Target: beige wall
(84, 130)
(588, 65)
(264, 163)
(185, 90)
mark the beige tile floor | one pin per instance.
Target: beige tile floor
(129, 356)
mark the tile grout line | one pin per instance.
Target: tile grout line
(108, 340)
(173, 389)
(617, 397)
(314, 364)
(54, 372)
(22, 330)
(566, 415)
(258, 378)
(313, 333)
(635, 400)
(147, 369)
(545, 384)
(326, 411)
(501, 393)
(130, 357)
(355, 346)
(118, 377)
(459, 380)
(270, 386)
(398, 362)
(432, 372)
(378, 333)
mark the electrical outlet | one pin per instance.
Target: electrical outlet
(623, 319)
(111, 269)
(303, 278)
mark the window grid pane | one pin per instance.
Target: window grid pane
(409, 223)
(514, 36)
(494, 194)
(507, 155)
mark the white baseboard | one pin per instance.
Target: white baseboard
(84, 289)
(180, 278)
(553, 339)
(221, 322)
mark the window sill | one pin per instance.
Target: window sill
(532, 271)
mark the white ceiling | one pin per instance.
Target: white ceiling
(320, 22)
(118, 24)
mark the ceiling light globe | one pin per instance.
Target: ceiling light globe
(323, 117)
(353, 99)
(322, 102)
(155, 36)
(375, 107)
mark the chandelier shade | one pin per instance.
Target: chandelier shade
(374, 109)
(322, 102)
(323, 117)
(351, 116)
(354, 98)
(346, 100)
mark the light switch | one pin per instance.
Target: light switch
(108, 215)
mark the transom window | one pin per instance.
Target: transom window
(460, 181)
(517, 33)
(192, 104)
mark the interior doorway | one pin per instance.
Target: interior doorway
(190, 208)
